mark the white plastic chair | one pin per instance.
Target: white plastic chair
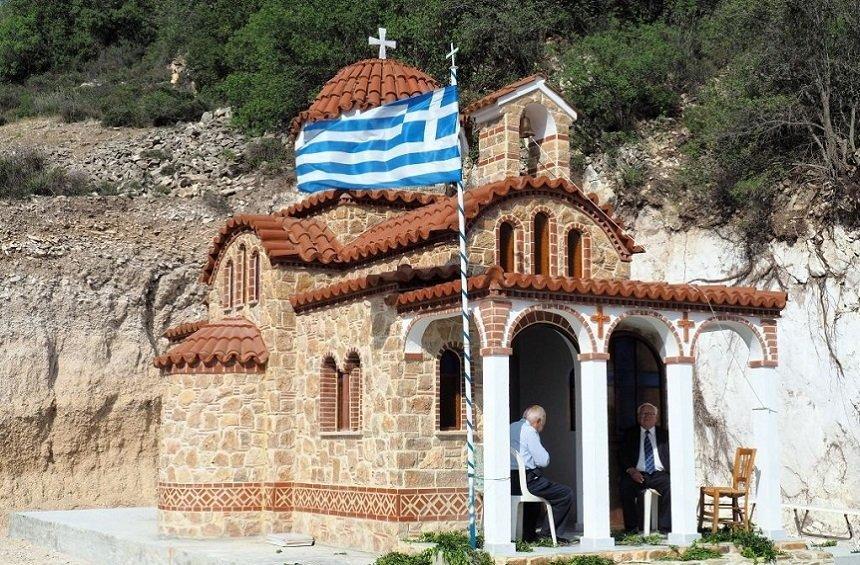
(651, 514)
(526, 496)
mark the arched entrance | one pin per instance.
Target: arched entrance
(544, 370)
(635, 374)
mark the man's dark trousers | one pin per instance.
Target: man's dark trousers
(632, 500)
(560, 497)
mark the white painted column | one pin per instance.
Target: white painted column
(578, 387)
(768, 493)
(682, 454)
(497, 456)
(595, 455)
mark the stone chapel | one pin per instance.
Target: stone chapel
(323, 393)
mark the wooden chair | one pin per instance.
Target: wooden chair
(742, 474)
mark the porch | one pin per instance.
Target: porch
(590, 316)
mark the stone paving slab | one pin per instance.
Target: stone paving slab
(129, 536)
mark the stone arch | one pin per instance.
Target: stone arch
(585, 234)
(668, 348)
(414, 331)
(759, 351)
(519, 241)
(558, 315)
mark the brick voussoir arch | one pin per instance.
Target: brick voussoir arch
(767, 354)
(519, 240)
(552, 227)
(545, 314)
(646, 313)
(457, 348)
(585, 234)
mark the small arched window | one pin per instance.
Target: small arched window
(506, 247)
(541, 244)
(574, 254)
(450, 391)
(254, 277)
(352, 412)
(229, 285)
(239, 299)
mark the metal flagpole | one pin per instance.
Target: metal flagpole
(467, 342)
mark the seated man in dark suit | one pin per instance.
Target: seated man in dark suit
(644, 460)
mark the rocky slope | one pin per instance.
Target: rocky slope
(88, 284)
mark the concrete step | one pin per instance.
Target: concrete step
(129, 536)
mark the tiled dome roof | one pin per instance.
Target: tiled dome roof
(362, 85)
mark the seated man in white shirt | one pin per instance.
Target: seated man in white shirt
(525, 439)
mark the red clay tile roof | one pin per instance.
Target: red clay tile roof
(394, 198)
(706, 297)
(228, 341)
(285, 239)
(405, 277)
(180, 332)
(493, 96)
(440, 218)
(308, 240)
(362, 85)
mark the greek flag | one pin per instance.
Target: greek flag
(411, 142)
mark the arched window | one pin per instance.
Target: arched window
(229, 285)
(328, 395)
(574, 254)
(240, 276)
(450, 391)
(254, 277)
(506, 247)
(541, 244)
(354, 392)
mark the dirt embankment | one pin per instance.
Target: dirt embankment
(87, 286)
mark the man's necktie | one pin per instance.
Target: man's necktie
(649, 453)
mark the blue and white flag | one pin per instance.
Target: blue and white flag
(411, 142)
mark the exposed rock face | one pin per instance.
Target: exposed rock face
(819, 356)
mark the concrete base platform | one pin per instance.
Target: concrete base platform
(129, 536)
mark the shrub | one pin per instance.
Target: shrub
(751, 544)
(122, 115)
(26, 172)
(266, 152)
(165, 106)
(695, 552)
(583, 560)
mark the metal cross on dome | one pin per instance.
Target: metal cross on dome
(382, 42)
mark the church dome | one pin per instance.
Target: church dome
(363, 85)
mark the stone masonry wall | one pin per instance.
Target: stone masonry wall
(213, 434)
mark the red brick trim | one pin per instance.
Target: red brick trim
(585, 234)
(681, 360)
(384, 504)
(763, 363)
(494, 318)
(519, 241)
(352, 365)
(546, 309)
(593, 357)
(413, 356)
(327, 416)
(457, 348)
(715, 321)
(215, 367)
(496, 351)
(649, 314)
(552, 228)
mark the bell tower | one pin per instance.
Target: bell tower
(522, 130)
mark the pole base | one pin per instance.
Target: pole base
(593, 544)
(682, 539)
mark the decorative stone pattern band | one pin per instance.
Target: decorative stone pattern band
(386, 504)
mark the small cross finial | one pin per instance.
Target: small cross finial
(451, 55)
(383, 44)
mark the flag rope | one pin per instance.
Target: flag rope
(467, 341)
